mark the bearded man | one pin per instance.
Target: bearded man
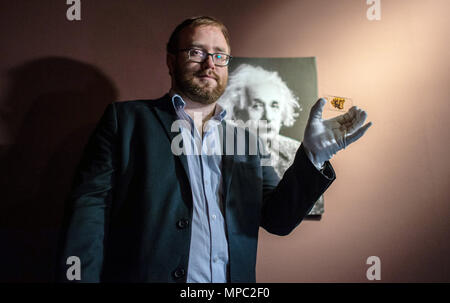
(142, 212)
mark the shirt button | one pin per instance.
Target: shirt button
(183, 223)
(179, 273)
(214, 217)
(215, 259)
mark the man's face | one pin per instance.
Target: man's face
(200, 82)
(263, 103)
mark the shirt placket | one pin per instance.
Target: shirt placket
(202, 204)
(213, 209)
(208, 201)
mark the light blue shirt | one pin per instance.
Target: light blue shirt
(208, 254)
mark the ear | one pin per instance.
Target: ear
(171, 61)
(243, 97)
(240, 108)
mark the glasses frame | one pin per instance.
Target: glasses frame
(188, 50)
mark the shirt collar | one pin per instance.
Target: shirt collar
(179, 104)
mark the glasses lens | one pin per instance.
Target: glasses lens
(197, 55)
(221, 59)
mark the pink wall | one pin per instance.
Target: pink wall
(391, 196)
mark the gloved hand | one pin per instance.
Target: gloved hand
(324, 138)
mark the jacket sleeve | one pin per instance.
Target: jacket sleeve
(89, 200)
(286, 203)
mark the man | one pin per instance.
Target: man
(142, 213)
(255, 94)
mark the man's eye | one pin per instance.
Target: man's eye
(275, 105)
(221, 57)
(196, 52)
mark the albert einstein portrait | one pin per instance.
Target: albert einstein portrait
(254, 93)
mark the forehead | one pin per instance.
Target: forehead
(209, 37)
(266, 92)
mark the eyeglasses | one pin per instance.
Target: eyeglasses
(199, 56)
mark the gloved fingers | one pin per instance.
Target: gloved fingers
(357, 121)
(347, 117)
(317, 109)
(351, 120)
(350, 138)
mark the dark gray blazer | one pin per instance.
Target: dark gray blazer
(131, 203)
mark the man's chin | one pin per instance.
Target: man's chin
(204, 92)
(203, 96)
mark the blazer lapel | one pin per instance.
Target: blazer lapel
(227, 158)
(167, 115)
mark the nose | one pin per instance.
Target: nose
(267, 115)
(209, 63)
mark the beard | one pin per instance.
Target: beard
(201, 93)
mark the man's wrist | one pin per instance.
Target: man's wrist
(319, 165)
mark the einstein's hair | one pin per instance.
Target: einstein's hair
(246, 75)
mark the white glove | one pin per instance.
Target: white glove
(324, 138)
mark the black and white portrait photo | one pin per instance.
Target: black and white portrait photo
(280, 92)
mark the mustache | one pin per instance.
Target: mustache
(209, 74)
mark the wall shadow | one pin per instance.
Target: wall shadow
(51, 107)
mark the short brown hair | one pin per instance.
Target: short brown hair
(172, 45)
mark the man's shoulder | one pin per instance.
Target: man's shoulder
(287, 141)
(138, 103)
(144, 108)
(287, 146)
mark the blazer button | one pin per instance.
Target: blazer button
(179, 273)
(183, 223)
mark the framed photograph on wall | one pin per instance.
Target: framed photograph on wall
(280, 91)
